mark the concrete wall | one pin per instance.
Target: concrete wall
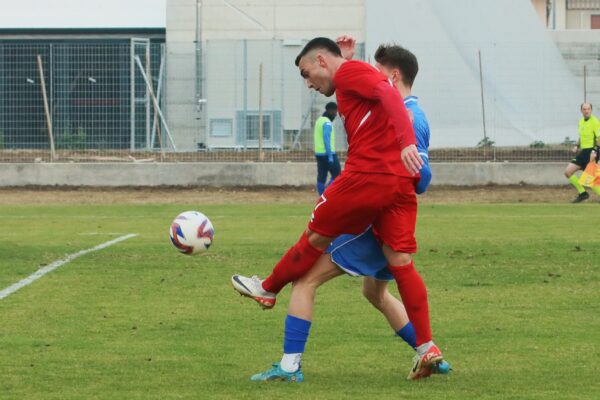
(256, 174)
(581, 48)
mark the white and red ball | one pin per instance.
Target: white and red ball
(191, 232)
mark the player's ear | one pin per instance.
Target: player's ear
(321, 60)
(396, 75)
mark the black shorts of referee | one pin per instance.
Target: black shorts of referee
(583, 157)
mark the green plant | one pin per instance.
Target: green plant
(538, 144)
(568, 141)
(71, 140)
(1, 140)
(486, 142)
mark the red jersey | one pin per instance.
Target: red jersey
(375, 118)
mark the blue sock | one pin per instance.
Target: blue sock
(296, 334)
(407, 333)
(320, 187)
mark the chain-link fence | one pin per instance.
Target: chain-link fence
(101, 101)
(78, 101)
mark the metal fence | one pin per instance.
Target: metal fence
(64, 101)
(101, 101)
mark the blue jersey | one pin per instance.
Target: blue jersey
(421, 128)
(361, 255)
(420, 124)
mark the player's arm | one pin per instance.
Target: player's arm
(347, 45)
(393, 106)
(365, 81)
(327, 128)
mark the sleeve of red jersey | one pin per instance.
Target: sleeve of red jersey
(392, 103)
(359, 78)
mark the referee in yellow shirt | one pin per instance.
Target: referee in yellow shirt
(588, 141)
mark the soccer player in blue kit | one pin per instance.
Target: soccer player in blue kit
(360, 255)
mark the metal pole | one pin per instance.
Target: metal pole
(149, 73)
(245, 94)
(46, 108)
(296, 143)
(584, 84)
(261, 155)
(139, 63)
(156, 124)
(482, 98)
(132, 97)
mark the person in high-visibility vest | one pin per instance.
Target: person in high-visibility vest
(589, 139)
(327, 160)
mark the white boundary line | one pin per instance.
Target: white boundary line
(51, 267)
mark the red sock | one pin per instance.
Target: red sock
(414, 296)
(295, 263)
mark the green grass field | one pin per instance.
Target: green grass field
(513, 289)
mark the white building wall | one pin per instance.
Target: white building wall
(275, 31)
(181, 97)
(282, 19)
(580, 19)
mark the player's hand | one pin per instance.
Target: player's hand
(574, 149)
(412, 159)
(347, 45)
(593, 156)
(330, 159)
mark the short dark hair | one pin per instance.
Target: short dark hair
(583, 104)
(394, 56)
(319, 43)
(331, 106)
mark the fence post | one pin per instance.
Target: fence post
(46, 108)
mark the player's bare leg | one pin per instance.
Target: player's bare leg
(304, 290)
(298, 321)
(376, 292)
(294, 264)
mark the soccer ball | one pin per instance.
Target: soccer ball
(191, 232)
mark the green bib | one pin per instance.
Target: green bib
(319, 140)
(588, 132)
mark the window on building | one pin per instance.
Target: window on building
(583, 4)
(221, 127)
(252, 126)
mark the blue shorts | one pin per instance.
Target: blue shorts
(360, 255)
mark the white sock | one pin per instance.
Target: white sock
(424, 348)
(291, 362)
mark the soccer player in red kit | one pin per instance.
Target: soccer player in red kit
(377, 186)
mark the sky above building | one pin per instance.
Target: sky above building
(82, 14)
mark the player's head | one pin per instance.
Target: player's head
(318, 61)
(399, 64)
(586, 110)
(331, 108)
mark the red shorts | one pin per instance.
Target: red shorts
(356, 200)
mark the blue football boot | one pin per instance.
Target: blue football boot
(277, 374)
(443, 367)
